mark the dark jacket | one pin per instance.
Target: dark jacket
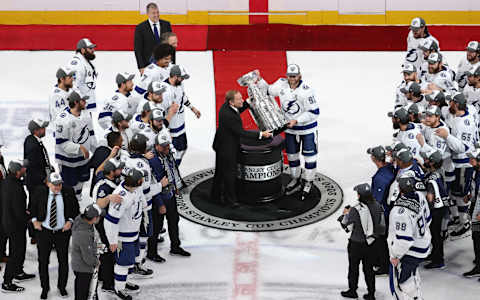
(14, 204)
(37, 164)
(40, 202)
(381, 182)
(84, 246)
(144, 41)
(99, 156)
(230, 130)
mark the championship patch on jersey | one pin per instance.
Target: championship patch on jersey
(101, 194)
(305, 87)
(56, 91)
(141, 126)
(401, 210)
(411, 136)
(74, 62)
(63, 115)
(115, 98)
(140, 164)
(122, 193)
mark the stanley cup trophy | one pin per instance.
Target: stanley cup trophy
(260, 163)
(264, 109)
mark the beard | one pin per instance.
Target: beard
(396, 125)
(89, 56)
(156, 128)
(452, 110)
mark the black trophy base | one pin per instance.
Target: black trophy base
(282, 208)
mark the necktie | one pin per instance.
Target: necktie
(53, 212)
(155, 33)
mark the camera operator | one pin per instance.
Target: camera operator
(365, 221)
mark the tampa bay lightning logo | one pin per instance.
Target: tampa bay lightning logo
(412, 56)
(411, 136)
(82, 136)
(291, 107)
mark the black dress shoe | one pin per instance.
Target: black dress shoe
(369, 296)
(156, 258)
(44, 294)
(160, 240)
(163, 231)
(180, 252)
(63, 292)
(23, 277)
(349, 294)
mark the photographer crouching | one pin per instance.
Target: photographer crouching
(365, 222)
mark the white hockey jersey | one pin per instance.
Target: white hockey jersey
(409, 139)
(448, 117)
(176, 94)
(137, 124)
(117, 101)
(465, 129)
(85, 79)
(409, 232)
(57, 102)
(151, 73)
(472, 94)
(153, 105)
(70, 133)
(122, 221)
(433, 143)
(298, 104)
(140, 163)
(400, 98)
(414, 53)
(461, 74)
(442, 79)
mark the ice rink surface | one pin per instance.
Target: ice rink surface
(355, 92)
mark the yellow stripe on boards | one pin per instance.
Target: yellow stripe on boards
(237, 17)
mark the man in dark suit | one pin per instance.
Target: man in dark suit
(39, 166)
(14, 221)
(227, 144)
(36, 154)
(147, 35)
(54, 207)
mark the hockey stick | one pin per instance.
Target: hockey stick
(92, 291)
(393, 281)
